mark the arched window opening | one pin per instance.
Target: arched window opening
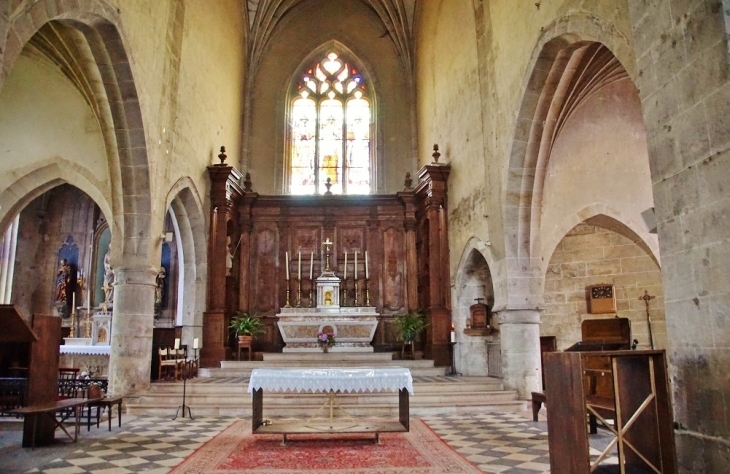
(330, 130)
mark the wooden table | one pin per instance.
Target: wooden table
(50, 410)
(331, 381)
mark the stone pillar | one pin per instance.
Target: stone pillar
(132, 323)
(520, 334)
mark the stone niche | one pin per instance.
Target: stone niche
(354, 328)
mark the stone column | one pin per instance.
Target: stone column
(520, 334)
(132, 323)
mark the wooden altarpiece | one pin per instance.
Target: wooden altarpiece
(404, 234)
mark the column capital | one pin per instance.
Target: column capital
(137, 275)
(518, 316)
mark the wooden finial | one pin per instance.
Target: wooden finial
(408, 182)
(328, 185)
(247, 183)
(222, 156)
(436, 153)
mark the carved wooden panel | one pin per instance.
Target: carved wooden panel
(264, 264)
(393, 265)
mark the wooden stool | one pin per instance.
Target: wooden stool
(246, 345)
(403, 350)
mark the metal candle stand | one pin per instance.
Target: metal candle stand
(453, 371)
(185, 379)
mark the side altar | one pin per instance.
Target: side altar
(353, 327)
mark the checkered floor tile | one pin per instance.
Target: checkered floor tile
(494, 442)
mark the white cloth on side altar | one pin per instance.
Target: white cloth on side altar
(390, 379)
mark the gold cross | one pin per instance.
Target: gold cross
(328, 242)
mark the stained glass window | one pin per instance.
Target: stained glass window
(330, 130)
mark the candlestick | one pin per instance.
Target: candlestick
(367, 293)
(355, 302)
(288, 304)
(177, 343)
(287, 265)
(195, 343)
(73, 314)
(299, 267)
(299, 293)
(345, 271)
(367, 273)
(355, 266)
(311, 266)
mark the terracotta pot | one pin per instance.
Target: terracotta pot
(244, 339)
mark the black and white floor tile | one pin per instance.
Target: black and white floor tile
(494, 442)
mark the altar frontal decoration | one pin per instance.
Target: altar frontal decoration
(236, 450)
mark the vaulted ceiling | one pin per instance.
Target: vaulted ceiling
(264, 15)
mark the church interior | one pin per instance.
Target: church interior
(169, 166)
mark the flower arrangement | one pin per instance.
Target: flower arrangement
(325, 340)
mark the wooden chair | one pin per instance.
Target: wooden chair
(167, 363)
(182, 364)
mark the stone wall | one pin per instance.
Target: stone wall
(590, 255)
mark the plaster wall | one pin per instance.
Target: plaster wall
(491, 74)
(188, 69)
(306, 27)
(43, 119)
(450, 113)
(599, 157)
(590, 255)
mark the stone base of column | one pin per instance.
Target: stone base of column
(520, 334)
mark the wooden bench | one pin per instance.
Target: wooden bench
(602, 406)
(50, 410)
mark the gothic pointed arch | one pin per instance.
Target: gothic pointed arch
(88, 40)
(331, 125)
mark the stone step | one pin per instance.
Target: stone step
(246, 371)
(239, 385)
(311, 399)
(293, 411)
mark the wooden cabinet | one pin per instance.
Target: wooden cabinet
(643, 413)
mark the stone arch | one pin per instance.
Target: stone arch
(36, 182)
(286, 97)
(474, 279)
(185, 203)
(606, 217)
(100, 25)
(575, 53)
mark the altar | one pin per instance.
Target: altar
(354, 328)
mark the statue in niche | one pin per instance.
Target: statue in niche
(159, 291)
(108, 286)
(229, 256)
(63, 281)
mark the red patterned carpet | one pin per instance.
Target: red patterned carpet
(235, 450)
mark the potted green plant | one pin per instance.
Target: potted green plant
(246, 325)
(410, 325)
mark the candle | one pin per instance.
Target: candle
(287, 265)
(453, 336)
(299, 267)
(177, 343)
(73, 302)
(367, 273)
(311, 266)
(355, 264)
(345, 276)
(195, 343)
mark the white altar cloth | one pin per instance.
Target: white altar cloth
(86, 350)
(390, 379)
